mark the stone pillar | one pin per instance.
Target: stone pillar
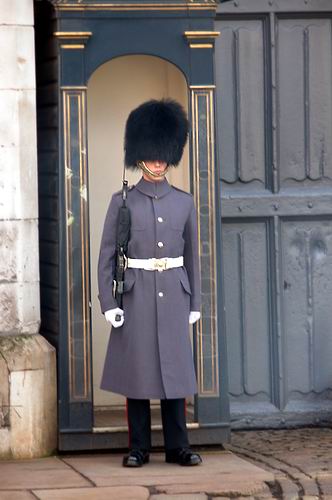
(27, 360)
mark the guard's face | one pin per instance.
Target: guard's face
(155, 166)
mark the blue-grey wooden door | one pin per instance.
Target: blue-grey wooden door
(274, 110)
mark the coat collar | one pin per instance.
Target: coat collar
(153, 189)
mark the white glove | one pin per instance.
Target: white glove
(110, 317)
(194, 316)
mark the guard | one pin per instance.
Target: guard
(149, 353)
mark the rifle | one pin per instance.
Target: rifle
(122, 238)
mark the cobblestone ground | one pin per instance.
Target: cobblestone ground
(301, 460)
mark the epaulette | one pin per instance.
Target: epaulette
(181, 190)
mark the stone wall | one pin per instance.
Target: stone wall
(27, 360)
(19, 275)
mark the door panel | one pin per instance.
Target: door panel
(245, 252)
(304, 118)
(274, 85)
(307, 292)
(240, 79)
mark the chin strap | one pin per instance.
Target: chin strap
(146, 169)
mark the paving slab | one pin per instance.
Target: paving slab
(218, 486)
(48, 472)
(189, 496)
(325, 483)
(104, 493)
(107, 470)
(220, 473)
(310, 488)
(16, 495)
(288, 487)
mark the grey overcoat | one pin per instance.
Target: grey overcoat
(150, 355)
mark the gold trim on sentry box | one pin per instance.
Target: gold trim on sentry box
(201, 45)
(143, 6)
(72, 46)
(202, 86)
(73, 34)
(73, 87)
(76, 97)
(201, 34)
(207, 94)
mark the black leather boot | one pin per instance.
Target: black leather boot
(183, 456)
(136, 458)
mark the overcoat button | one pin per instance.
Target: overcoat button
(155, 197)
(160, 244)
(160, 219)
(160, 294)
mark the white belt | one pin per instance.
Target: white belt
(154, 264)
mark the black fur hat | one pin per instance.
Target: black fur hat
(156, 130)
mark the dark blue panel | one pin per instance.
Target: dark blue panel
(158, 37)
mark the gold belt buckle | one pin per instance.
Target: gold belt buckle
(161, 264)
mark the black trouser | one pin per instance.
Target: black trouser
(173, 419)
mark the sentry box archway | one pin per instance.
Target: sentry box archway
(73, 39)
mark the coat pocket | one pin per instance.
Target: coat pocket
(185, 283)
(128, 284)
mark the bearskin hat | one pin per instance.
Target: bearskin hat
(156, 130)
